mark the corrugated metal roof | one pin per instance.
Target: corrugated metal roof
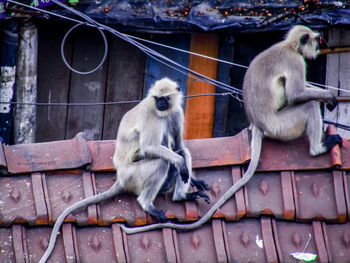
(294, 203)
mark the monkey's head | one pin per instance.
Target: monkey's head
(165, 94)
(304, 41)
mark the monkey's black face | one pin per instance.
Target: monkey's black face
(162, 103)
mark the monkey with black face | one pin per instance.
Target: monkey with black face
(279, 104)
(150, 156)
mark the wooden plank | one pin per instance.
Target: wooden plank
(199, 113)
(88, 50)
(156, 70)
(344, 83)
(125, 82)
(221, 102)
(53, 82)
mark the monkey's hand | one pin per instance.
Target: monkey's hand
(201, 185)
(332, 104)
(195, 195)
(185, 175)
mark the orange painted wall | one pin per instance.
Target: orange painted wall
(199, 111)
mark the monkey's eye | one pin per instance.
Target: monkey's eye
(167, 97)
(178, 89)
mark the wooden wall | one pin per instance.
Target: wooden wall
(338, 69)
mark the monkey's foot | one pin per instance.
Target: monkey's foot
(157, 214)
(331, 140)
(201, 185)
(331, 106)
(195, 195)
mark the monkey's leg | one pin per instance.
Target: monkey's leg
(157, 171)
(314, 132)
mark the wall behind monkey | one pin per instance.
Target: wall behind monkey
(246, 47)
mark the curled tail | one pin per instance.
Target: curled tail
(256, 143)
(114, 190)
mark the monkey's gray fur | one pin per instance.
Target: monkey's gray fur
(279, 104)
(150, 156)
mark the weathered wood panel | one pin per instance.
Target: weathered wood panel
(125, 82)
(53, 82)
(88, 50)
(338, 68)
(199, 113)
(155, 70)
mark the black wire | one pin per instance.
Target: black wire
(341, 126)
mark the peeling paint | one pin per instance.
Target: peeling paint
(7, 81)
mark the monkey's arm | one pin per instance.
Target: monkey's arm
(299, 91)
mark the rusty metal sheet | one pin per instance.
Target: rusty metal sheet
(292, 238)
(153, 246)
(94, 244)
(102, 154)
(220, 179)
(17, 204)
(337, 237)
(61, 191)
(318, 195)
(220, 151)
(244, 241)
(291, 155)
(122, 208)
(264, 195)
(6, 245)
(37, 240)
(197, 245)
(48, 156)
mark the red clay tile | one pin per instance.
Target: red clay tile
(337, 237)
(153, 246)
(346, 178)
(39, 200)
(198, 245)
(122, 208)
(219, 241)
(48, 156)
(335, 151)
(263, 195)
(118, 243)
(244, 241)
(345, 153)
(18, 244)
(37, 240)
(70, 245)
(102, 154)
(219, 151)
(17, 200)
(6, 241)
(316, 196)
(294, 238)
(220, 179)
(268, 241)
(94, 244)
(61, 191)
(290, 155)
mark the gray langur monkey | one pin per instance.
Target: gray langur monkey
(279, 104)
(150, 156)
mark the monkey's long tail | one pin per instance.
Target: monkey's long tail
(256, 143)
(111, 192)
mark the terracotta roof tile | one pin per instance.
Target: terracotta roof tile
(292, 196)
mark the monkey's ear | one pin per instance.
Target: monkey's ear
(304, 39)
